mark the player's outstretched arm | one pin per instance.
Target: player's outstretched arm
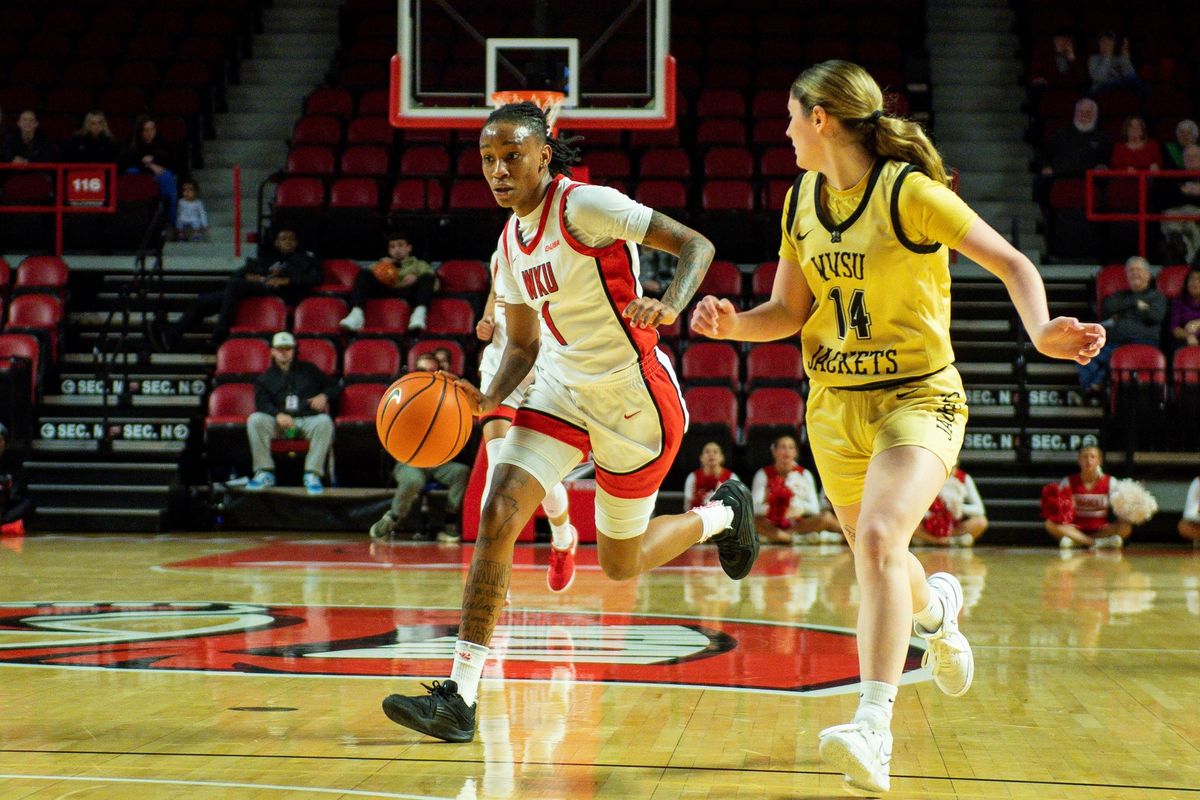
(778, 318)
(695, 253)
(1061, 337)
(520, 351)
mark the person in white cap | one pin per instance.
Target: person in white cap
(292, 398)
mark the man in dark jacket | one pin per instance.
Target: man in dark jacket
(1133, 316)
(291, 274)
(293, 398)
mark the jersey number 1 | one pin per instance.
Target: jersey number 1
(860, 320)
(552, 327)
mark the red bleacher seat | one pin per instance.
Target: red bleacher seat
(723, 279)
(774, 363)
(766, 407)
(323, 129)
(728, 162)
(229, 405)
(310, 159)
(662, 194)
(385, 316)
(319, 316)
(665, 162)
(450, 316)
(25, 346)
(777, 162)
(300, 193)
(426, 161)
(721, 103)
(40, 315)
(727, 196)
(470, 194)
(338, 276)
(1110, 280)
(408, 194)
(365, 160)
(721, 132)
(1186, 367)
(1171, 280)
(242, 360)
(354, 193)
(763, 279)
(358, 404)
(259, 316)
(463, 276)
(328, 100)
(711, 363)
(41, 274)
(319, 352)
(608, 164)
(370, 130)
(371, 360)
(712, 406)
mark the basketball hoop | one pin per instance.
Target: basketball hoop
(549, 102)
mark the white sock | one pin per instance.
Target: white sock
(875, 702)
(715, 517)
(931, 616)
(555, 505)
(468, 668)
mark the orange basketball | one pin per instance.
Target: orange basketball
(423, 419)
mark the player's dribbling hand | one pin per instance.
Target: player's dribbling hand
(477, 401)
(713, 317)
(1070, 339)
(484, 329)
(646, 312)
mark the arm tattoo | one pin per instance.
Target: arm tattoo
(695, 254)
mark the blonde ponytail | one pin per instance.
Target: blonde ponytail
(848, 93)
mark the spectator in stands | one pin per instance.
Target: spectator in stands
(704, 481)
(1189, 524)
(1136, 151)
(1056, 64)
(444, 358)
(957, 517)
(399, 274)
(149, 154)
(1186, 133)
(1131, 316)
(191, 222)
(291, 274)
(1179, 197)
(293, 399)
(93, 143)
(786, 505)
(15, 504)
(1072, 151)
(1185, 311)
(1111, 67)
(1091, 489)
(411, 481)
(27, 144)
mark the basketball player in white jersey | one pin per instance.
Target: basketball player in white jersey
(574, 309)
(491, 328)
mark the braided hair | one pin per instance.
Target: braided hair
(527, 115)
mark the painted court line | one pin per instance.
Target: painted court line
(220, 784)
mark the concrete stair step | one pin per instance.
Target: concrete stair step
(256, 125)
(253, 98)
(300, 20)
(996, 122)
(971, 68)
(287, 74)
(976, 98)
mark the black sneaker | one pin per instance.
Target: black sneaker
(737, 545)
(441, 714)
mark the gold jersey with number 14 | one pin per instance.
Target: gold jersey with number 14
(880, 277)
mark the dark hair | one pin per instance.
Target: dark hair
(562, 152)
(392, 236)
(139, 123)
(186, 182)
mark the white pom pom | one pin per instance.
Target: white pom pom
(1132, 502)
(953, 494)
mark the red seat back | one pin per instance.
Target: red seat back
(230, 404)
(763, 279)
(712, 405)
(319, 316)
(242, 358)
(317, 130)
(319, 352)
(774, 362)
(260, 315)
(310, 158)
(723, 279)
(1110, 280)
(300, 193)
(359, 193)
(1142, 362)
(374, 358)
(42, 272)
(359, 402)
(386, 315)
(1186, 366)
(39, 311)
(451, 316)
(774, 407)
(458, 359)
(711, 362)
(462, 276)
(1171, 280)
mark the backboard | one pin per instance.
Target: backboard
(609, 57)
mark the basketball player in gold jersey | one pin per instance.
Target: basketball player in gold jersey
(864, 273)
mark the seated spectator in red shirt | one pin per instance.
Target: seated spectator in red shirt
(1091, 490)
(786, 504)
(700, 485)
(1136, 151)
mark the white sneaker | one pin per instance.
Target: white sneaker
(949, 655)
(417, 320)
(354, 320)
(831, 537)
(1066, 543)
(1113, 542)
(862, 754)
(963, 540)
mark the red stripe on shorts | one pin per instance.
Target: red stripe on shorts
(507, 413)
(555, 428)
(646, 480)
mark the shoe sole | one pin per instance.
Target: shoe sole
(953, 583)
(855, 779)
(745, 530)
(398, 715)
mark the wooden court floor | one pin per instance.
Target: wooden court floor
(251, 667)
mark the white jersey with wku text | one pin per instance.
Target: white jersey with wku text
(574, 260)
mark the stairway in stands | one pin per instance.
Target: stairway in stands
(109, 452)
(1024, 429)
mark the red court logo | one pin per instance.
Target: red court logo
(390, 642)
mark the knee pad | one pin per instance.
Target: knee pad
(622, 517)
